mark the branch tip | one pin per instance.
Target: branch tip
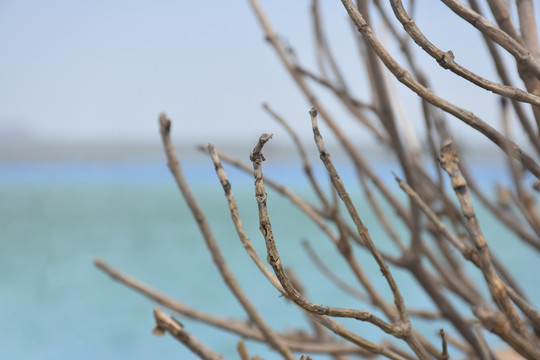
(164, 123)
(257, 155)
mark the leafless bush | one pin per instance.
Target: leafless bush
(442, 228)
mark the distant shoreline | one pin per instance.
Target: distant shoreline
(105, 152)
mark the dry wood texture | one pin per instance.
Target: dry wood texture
(433, 227)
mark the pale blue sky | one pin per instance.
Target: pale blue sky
(103, 70)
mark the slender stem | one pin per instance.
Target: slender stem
(404, 77)
(409, 335)
(211, 243)
(449, 162)
(176, 329)
(446, 60)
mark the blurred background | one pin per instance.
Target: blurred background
(82, 173)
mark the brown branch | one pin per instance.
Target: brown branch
(322, 49)
(485, 347)
(438, 299)
(469, 253)
(353, 105)
(339, 92)
(235, 216)
(292, 293)
(361, 166)
(527, 25)
(446, 60)
(324, 53)
(523, 200)
(521, 54)
(176, 329)
(507, 219)
(444, 353)
(408, 335)
(439, 225)
(211, 243)
(449, 162)
(303, 155)
(361, 228)
(345, 251)
(340, 330)
(275, 261)
(241, 328)
(318, 329)
(242, 350)
(232, 205)
(251, 251)
(505, 79)
(325, 270)
(404, 77)
(498, 324)
(499, 9)
(528, 62)
(235, 326)
(389, 119)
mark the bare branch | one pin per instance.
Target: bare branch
(449, 162)
(446, 60)
(521, 54)
(242, 350)
(303, 155)
(176, 329)
(241, 328)
(275, 261)
(408, 335)
(404, 77)
(211, 243)
(444, 353)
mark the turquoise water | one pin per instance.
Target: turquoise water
(55, 218)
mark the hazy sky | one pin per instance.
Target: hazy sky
(103, 70)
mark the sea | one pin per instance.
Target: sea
(56, 217)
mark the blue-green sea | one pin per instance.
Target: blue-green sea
(55, 218)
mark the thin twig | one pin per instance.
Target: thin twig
(408, 334)
(275, 261)
(241, 328)
(242, 350)
(323, 52)
(449, 162)
(340, 330)
(361, 165)
(345, 251)
(501, 12)
(303, 155)
(325, 270)
(404, 77)
(444, 353)
(446, 60)
(319, 263)
(498, 324)
(509, 43)
(505, 79)
(176, 329)
(233, 207)
(211, 243)
(507, 219)
(469, 253)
